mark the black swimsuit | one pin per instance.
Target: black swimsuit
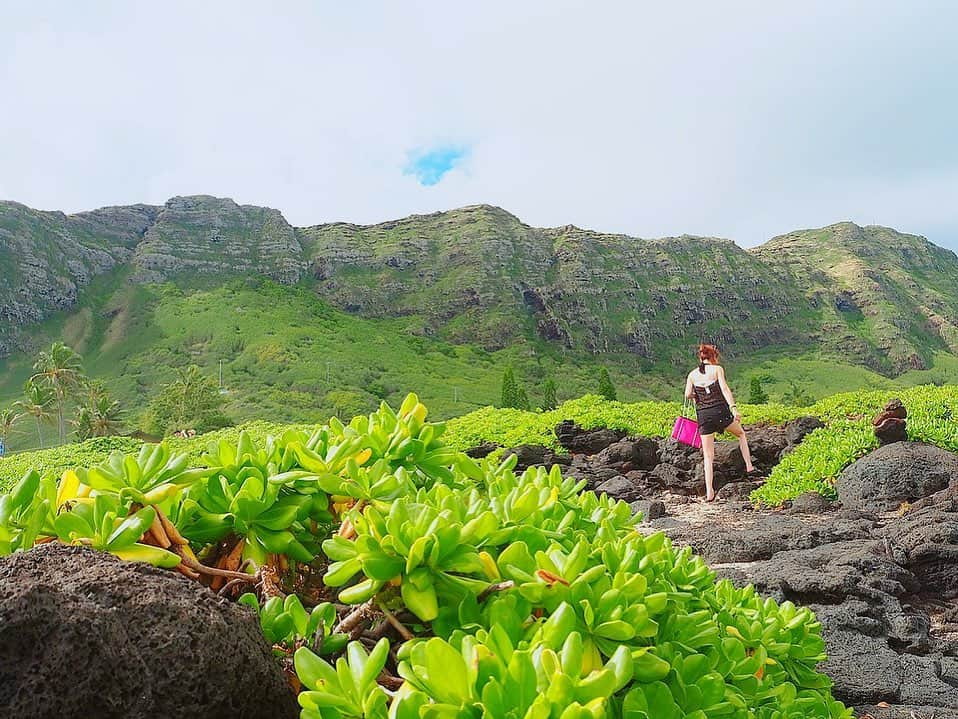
(711, 409)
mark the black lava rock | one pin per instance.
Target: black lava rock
(532, 455)
(585, 441)
(84, 634)
(896, 473)
(482, 450)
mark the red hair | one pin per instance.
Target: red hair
(709, 353)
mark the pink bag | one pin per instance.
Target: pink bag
(686, 430)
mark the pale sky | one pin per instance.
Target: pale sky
(737, 119)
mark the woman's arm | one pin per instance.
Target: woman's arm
(727, 392)
(689, 392)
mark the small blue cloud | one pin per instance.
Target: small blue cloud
(430, 166)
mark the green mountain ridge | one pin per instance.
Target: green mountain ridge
(887, 296)
(331, 317)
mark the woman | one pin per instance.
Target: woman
(716, 412)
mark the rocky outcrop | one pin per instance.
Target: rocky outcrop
(531, 455)
(896, 473)
(884, 586)
(47, 258)
(210, 235)
(898, 281)
(653, 466)
(635, 468)
(84, 634)
(576, 440)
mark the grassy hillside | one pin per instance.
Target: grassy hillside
(287, 354)
(479, 275)
(888, 297)
(309, 322)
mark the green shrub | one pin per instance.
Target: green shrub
(848, 435)
(549, 390)
(509, 427)
(58, 459)
(756, 393)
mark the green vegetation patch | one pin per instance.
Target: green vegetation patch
(511, 427)
(501, 595)
(59, 459)
(847, 435)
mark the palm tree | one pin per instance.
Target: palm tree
(100, 416)
(61, 370)
(8, 419)
(37, 404)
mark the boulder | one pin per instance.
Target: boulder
(675, 480)
(482, 450)
(728, 466)
(84, 634)
(797, 429)
(585, 441)
(640, 453)
(926, 542)
(532, 455)
(809, 503)
(650, 509)
(619, 487)
(896, 473)
(737, 491)
(766, 443)
(680, 455)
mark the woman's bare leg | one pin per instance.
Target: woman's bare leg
(708, 458)
(737, 429)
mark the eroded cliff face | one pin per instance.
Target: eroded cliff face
(46, 258)
(479, 275)
(213, 236)
(888, 296)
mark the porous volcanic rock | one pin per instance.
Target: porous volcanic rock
(619, 487)
(585, 441)
(532, 455)
(84, 634)
(800, 427)
(649, 509)
(896, 473)
(630, 453)
(809, 503)
(883, 585)
(482, 450)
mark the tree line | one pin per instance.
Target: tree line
(515, 396)
(59, 393)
